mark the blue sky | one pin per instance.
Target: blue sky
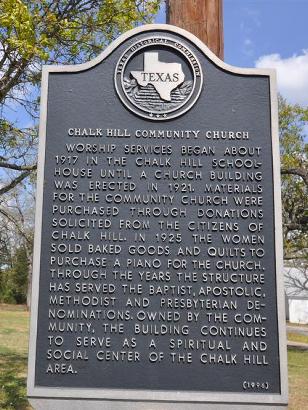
(269, 33)
(254, 28)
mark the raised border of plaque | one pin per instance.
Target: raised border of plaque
(69, 398)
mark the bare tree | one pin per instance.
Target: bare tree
(296, 277)
(17, 216)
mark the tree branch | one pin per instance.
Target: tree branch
(14, 182)
(9, 80)
(292, 226)
(18, 167)
(20, 230)
(296, 171)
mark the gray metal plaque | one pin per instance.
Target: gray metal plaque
(157, 272)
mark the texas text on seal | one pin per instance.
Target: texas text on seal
(158, 78)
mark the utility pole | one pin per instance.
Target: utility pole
(203, 18)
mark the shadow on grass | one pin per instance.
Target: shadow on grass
(13, 381)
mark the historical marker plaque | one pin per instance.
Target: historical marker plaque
(158, 232)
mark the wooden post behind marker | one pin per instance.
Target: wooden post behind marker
(203, 18)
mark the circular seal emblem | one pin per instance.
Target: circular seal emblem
(158, 78)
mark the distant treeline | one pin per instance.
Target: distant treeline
(14, 278)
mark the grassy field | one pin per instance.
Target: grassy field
(295, 337)
(298, 379)
(14, 324)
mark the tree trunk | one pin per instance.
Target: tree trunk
(30, 267)
(203, 18)
(29, 290)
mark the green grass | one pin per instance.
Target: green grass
(14, 323)
(298, 379)
(296, 337)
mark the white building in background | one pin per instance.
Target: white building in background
(296, 288)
